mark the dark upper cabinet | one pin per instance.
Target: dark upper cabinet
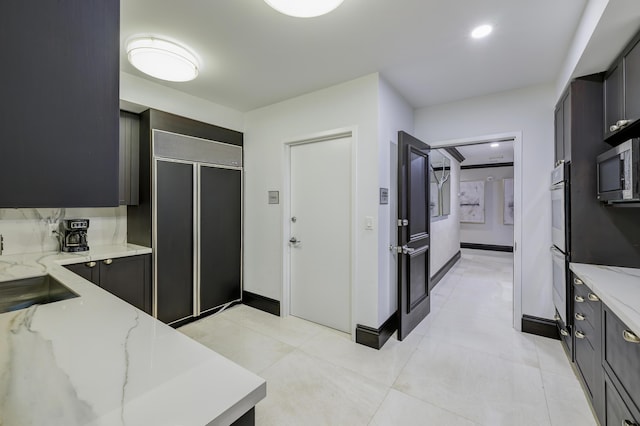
(128, 278)
(622, 95)
(59, 113)
(559, 135)
(563, 129)
(128, 182)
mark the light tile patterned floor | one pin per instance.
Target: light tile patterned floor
(463, 365)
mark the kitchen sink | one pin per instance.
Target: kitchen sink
(22, 293)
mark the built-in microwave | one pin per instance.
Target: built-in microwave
(618, 172)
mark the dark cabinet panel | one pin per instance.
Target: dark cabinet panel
(622, 356)
(174, 243)
(613, 98)
(129, 278)
(128, 180)
(220, 236)
(632, 83)
(566, 128)
(617, 412)
(59, 112)
(89, 271)
(559, 135)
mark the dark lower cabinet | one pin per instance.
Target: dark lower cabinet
(588, 343)
(617, 412)
(128, 278)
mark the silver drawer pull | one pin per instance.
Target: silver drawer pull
(108, 261)
(578, 281)
(90, 264)
(564, 332)
(580, 334)
(579, 317)
(556, 317)
(630, 337)
(593, 297)
(628, 423)
(622, 123)
(579, 299)
(613, 128)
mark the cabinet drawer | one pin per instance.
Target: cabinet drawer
(617, 412)
(586, 359)
(621, 357)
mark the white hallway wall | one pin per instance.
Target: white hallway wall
(445, 232)
(351, 104)
(493, 230)
(529, 110)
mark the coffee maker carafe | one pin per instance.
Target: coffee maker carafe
(73, 235)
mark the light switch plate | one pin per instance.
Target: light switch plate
(274, 197)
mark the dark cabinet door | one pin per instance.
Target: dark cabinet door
(617, 412)
(129, 278)
(59, 111)
(559, 133)
(613, 99)
(220, 236)
(632, 83)
(89, 271)
(128, 179)
(174, 241)
(566, 127)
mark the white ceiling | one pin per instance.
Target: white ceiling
(253, 56)
(484, 153)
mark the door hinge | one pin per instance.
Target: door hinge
(403, 222)
(395, 249)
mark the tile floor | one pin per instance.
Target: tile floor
(463, 365)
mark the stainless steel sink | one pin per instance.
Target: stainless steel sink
(20, 294)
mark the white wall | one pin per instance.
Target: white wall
(351, 104)
(147, 93)
(445, 231)
(493, 230)
(395, 114)
(529, 110)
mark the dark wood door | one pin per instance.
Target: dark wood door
(174, 241)
(128, 278)
(632, 83)
(413, 233)
(220, 236)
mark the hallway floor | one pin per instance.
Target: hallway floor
(463, 365)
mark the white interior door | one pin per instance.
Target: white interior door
(320, 239)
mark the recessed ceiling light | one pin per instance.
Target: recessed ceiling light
(162, 59)
(304, 8)
(495, 145)
(481, 31)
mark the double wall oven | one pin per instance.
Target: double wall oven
(560, 249)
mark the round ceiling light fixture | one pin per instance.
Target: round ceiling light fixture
(481, 31)
(495, 145)
(304, 8)
(162, 59)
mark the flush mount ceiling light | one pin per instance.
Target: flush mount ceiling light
(162, 59)
(304, 8)
(481, 31)
(495, 145)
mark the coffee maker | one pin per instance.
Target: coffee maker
(73, 235)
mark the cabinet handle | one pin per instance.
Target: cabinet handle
(613, 128)
(108, 261)
(579, 317)
(557, 317)
(579, 299)
(579, 334)
(564, 332)
(630, 337)
(90, 264)
(578, 281)
(622, 123)
(628, 423)
(593, 297)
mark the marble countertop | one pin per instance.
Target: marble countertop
(618, 288)
(96, 360)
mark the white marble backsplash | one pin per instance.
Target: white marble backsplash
(27, 230)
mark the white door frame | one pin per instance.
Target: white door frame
(351, 132)
(517, 200)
